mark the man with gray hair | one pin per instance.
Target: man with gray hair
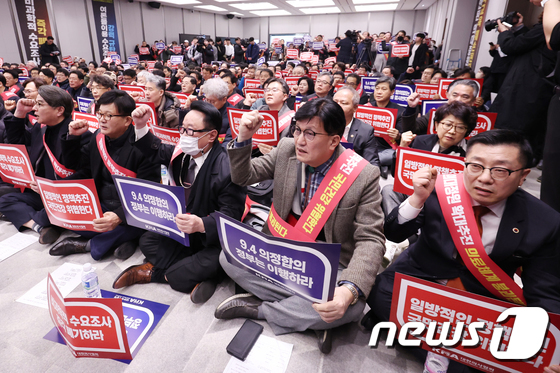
(323, 86)
(356, 132)
(459, 90)
(215, 92)
(167, 104)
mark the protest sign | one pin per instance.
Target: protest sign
(83, 103)
(160, 46)
(333, 48)
(428, 105)
(416, 300)
(92, 120)
(132, 60)
(177, 49)
(306, 269)
(318, 45)
(313, 75)
(445, 82)
(315, 59)
(182, 97)
(292, 53)
(91, 327)
(68, 60)
(176, 60)
(257, 91)
(278, 50)
(236, 97)
(71, 204)
(153, 120)
(426, 91)
(306, 56)
(252, 83)
(368, 84)
(262, 46)
(381, 119)
(15, 166)
(268, 131)
(260, 61)
(402, 92)
(133, 89)
(330, 60)
(348, 72)
(411, 160)
(485, 122)
(400, 50)
(152, 206)
(291, 81)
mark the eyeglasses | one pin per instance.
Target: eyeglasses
(190, 131)
(28, 91)
(108, 117)
(308, 134)
(322, 82)
(97, 87)
(497, 173)
(459, 128)
(273, 90)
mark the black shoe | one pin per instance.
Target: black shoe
(240, 305)
(125, 250)
(69, 246)
(203, 291)
(324, 340)
(369, 320)
(48, 235)
(539, 179)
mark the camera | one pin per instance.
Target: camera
(510, 18)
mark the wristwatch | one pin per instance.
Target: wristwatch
(354, 292)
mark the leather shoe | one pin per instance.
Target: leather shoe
(138, 274)
(324, 339)
(240, 305)
(125, 250)
(203, 291)
(369, 320)
(69, 246)
(49, 235)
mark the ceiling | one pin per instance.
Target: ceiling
(265, 8)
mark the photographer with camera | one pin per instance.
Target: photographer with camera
(207, 51)
(345, 53)
(364, 49)
(523, 98)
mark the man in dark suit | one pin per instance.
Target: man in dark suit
(203, 170)
(356, 132)
(98, 162)
(346, 54)
(518, 230)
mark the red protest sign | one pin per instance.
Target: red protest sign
(348, 72)
(91, 327)
(381, 119)
(67, 59)
(333, 48)
(278, 74)
(71, 204)
(151, 64)
(306, 56)
(169, 136)
(181, 97)
(15, 166)
(177, 49)
(400, 50)
(133, 90)
(24, 71)
(445, 82)
(313, 75)
(426, 91)
(416, 300)
(485, 122)
(257, 91)
(411, 160)
(330, 60)
(92, 120)
(291, 81)
(134, 56)
(144, 50)
(252, 83)
(267, 133)
(153, 119)
(234, 99)
(297, 105)
(292, 53)
(315, 59)
(1, 61)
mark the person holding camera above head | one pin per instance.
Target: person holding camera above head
(206, 50)
(345, 52)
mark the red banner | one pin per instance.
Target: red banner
(330, 59)
(170, 136)
(445, 82)
(348, 72)
(291, 81)
(91, 327)
(92, 120)
(333, 48)
(426, 91)
(400, 50)
(235, 98)
(177, 50)
(292, 54)
(381, 119)
(182, 97)
(144, 50)
(151, 64)
(252, 83)
(416, 300)
(267, 133)
(137, 89)
(71, 204)
(306, 56)
(68, 60)
(15, 166)
(153, 119)
(411, 160)
(313, 75)
(485, 122)
(257, 91)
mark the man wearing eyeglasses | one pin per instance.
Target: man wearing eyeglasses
(516, 229)
(299, 166)
(200, 165)
(323, 86)
(53, 110)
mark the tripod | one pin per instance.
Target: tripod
(362, 55)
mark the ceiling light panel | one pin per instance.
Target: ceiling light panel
(310, 3)
(327, 10)
(374, 1)
(253, 6)
(267, 13)
(211, 7)
(375, 7)
(228, 1)
(181, 2)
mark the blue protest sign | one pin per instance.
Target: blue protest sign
(368, 83)
(125, 66)
(160, 46)
(152, 206)
(298, 41)
(133, 60)
(332, 41)
(176, 60)
(379, 47)
(427, 105)
(295, 62)
(307, 37)
(115, 57)
(262, 46)
(141, 316)
(306, 269)
(260, 61)
(347, 145)
(22, 79)
(278, 50)
(318, 45)
(83, 103)
(401, 94)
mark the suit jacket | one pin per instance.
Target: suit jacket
(420, 56)
(355, 223)
(363, 138)
(535, 248)
(427, 142)
(400, 64)
(211, 191)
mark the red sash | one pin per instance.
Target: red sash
(456, 207)
(59, 169)
(175, 154)
(285, 121)
(334, 186)
(111, 165)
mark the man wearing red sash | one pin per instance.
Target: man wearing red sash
(508, 229)
(110, 151)
(300, 167)
(53, 109)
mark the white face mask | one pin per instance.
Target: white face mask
(189, 145)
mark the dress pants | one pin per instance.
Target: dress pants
(19, 208)
(550, 186)
(102, 243)
(284, 311)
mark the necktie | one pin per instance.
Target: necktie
(189, 179)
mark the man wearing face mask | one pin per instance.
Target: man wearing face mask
(201, 166)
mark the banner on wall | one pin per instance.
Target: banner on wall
(106, 26)
(35, 26)
(476, 33)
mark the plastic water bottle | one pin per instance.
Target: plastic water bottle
(90, 282)
(164, 175)
(436, 363)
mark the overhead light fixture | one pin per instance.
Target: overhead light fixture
(267, 13)
(211, 7)
(181, 2)
(327, 10)
(309, 3)
(375, 7)
(374, 1)
(228, 1)
(253, 6)
(238, 14)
